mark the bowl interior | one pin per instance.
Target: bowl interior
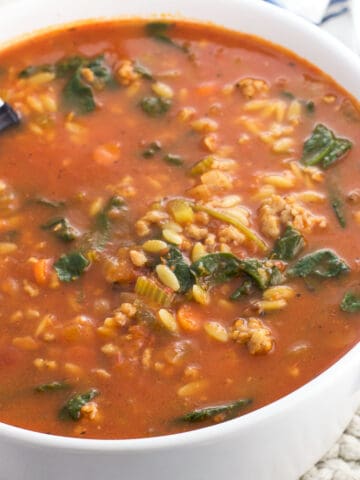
(248, 16)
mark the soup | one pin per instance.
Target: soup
(179, 208)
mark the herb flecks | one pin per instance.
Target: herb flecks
(310, 107)
(152, 149)
(287, 94)
(155, 106)
(173, 159)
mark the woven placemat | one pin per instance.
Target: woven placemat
(342, 462)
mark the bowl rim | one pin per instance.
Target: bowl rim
(283, 404)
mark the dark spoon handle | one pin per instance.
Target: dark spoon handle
(8, 116)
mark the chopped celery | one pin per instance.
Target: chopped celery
(202, 166)
(149, 289)
(181, 210)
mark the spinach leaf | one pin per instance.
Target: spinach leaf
(287, 94)
(152, 149)
(228, 410)
(157, 28)
(242, 291)
(338, 207)
(142, 70)
(321, 263)
(159, 32)
(114, 206)
(324, 148)
(62, 229)
(99, 234)
(350, 303)
(144, 314)
(69, 267)
(174, 159)
(68, 65)
(34, 69)
(101, 70)
(72, 408)
(175, 260)
(52, 387)
(216, 268)
(289, 245)
(264, 273)
(61, 68)
(155, 106)
(336, 200)
(338, 149)
(78, 94)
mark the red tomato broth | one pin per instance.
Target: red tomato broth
(138, 400)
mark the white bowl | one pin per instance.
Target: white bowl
(277, 442)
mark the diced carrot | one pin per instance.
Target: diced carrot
(41, 270)
(10, 223)
(107, 154)
(206, 89)
(188, 318)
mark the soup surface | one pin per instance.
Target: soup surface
(179, 215)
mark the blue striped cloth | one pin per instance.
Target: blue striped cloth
(316, 11)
